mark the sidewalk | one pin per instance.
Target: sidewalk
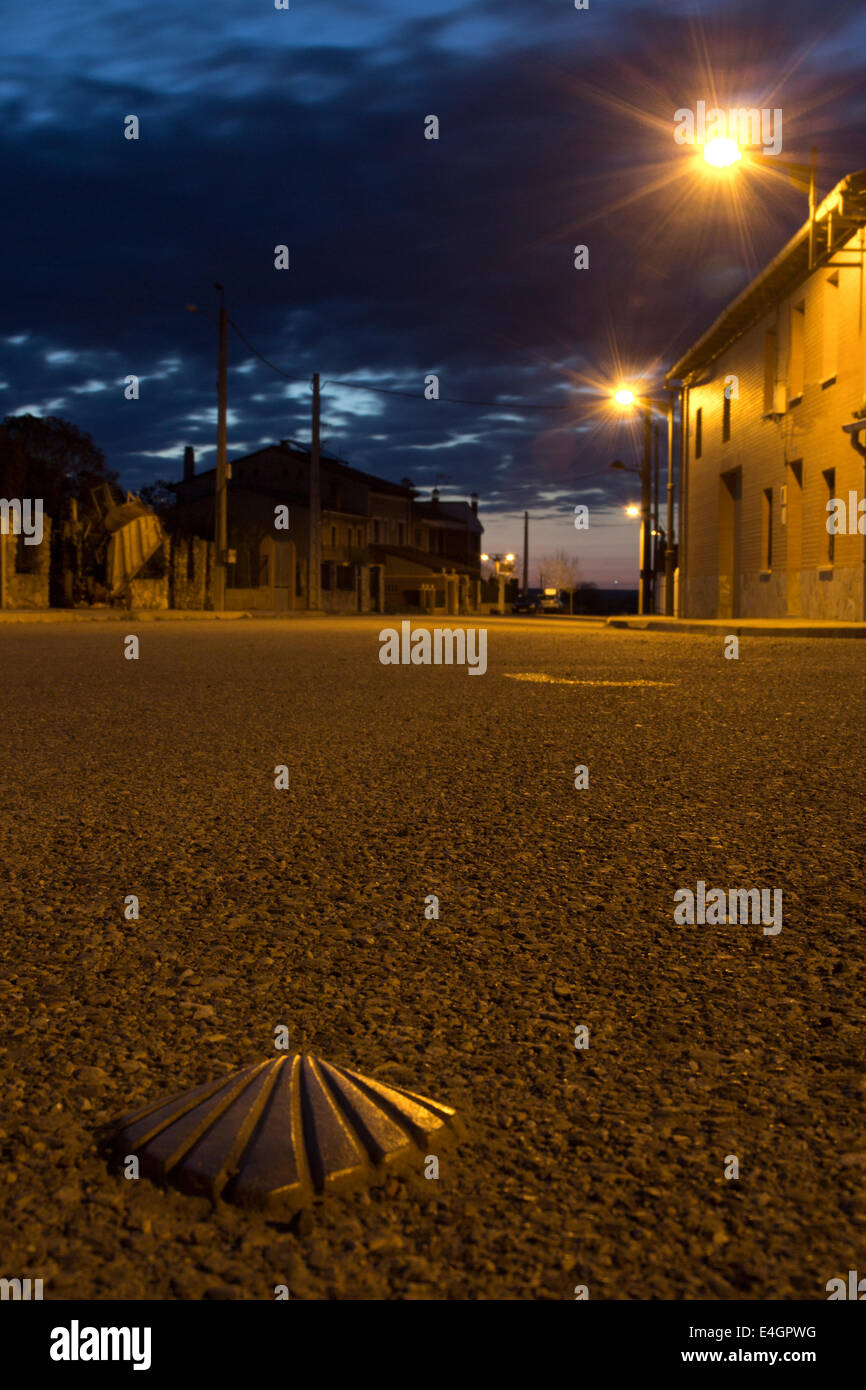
(738, 627)
(135, 615)
(743, 627)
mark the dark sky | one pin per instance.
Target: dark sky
(408, 256)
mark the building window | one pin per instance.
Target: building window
(333, 538)
(417, 537)
(830, 344)
(401, 534)
(375, 533)
(770, 356)
(830, 482)
(767, 529)
(797, 373)
(726, 418)
(699, 432)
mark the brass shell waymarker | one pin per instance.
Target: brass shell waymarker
(277, 1134)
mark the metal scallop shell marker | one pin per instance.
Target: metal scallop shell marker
(277, 1134)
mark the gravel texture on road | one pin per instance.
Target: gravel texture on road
(258, 907)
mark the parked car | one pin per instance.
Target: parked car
(538, 601)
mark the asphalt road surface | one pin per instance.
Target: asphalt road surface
(603, 1167)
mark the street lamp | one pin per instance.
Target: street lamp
(502, 564)
(503, 570)
(632, 512)
(723, 153)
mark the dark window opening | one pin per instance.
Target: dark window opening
(830, 480)
(767, 528)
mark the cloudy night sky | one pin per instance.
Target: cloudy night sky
(408, 256)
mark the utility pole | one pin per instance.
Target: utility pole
(314, 549)
(656, 533)
(669, 546)
(220, 509)
(525, 551)
(645, 591)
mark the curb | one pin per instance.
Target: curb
(739, 629)
(115, 615)
(145, 615)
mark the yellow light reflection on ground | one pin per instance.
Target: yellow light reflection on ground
(541, 678)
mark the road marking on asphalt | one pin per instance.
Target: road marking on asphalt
(542, 679)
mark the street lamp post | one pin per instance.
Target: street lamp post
(646, 594)
(633, 512)
(503, 569)
(726, 153)
(645, 591)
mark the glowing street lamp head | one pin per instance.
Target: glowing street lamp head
(510, 559)
(722, 152)
(485, 557)
(624, 396)
(632, 511)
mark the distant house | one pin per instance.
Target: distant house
(774, 438)
(380, 548)
(435, 561)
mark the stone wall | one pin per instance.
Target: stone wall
(148, 593)
(191, 569)
(25, 588)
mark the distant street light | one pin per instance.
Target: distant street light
(625, 398)
(632, 511)
(502, 564)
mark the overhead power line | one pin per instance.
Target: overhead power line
(391, 391)
(301, 381)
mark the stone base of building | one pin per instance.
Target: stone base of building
(833, 593)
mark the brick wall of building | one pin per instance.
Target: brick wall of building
(729, 572)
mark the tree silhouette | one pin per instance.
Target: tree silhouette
(49, 458)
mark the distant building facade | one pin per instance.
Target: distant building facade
(774, 429)
(380, 548)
